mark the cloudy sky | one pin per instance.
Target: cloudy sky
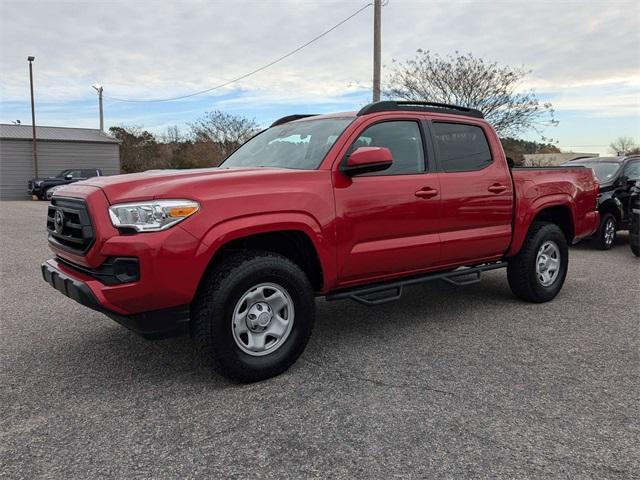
(584, 57)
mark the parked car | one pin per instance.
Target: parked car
(616, 176)
(345, 206)
(39, 186)
(634, 211)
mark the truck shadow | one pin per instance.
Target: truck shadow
(115, 358)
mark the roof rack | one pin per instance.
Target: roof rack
(291, 118)
(412, 105)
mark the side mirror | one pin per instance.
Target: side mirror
(68, 176)
(510, 162)
(367, 159)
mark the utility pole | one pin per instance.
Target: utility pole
(33, 119)
(377, 13)
(98, 88)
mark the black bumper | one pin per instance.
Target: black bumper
(152, 325)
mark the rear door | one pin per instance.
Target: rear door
(387, 222)
(476, 192)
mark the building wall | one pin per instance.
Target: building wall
(16, 162)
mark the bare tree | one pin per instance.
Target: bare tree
(172, 135)
(465, 80)
(623, 146)
(225, 130)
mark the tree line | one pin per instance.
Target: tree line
(207, 142)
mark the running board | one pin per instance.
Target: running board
(390, 291)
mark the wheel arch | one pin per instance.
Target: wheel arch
(297, 237)
(558, 210)
(613, 206)
(561, 216)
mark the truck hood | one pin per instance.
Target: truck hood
(40, 179)
(155, 184)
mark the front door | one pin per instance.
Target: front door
(387, 222)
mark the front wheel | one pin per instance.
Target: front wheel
(253, 316)
(537, 272)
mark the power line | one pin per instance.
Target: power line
(253, 72)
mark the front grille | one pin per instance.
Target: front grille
(69, 225)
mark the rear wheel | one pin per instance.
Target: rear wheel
(537, 272)
(606, 234)
(253, 316)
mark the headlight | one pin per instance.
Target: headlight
(152, 216)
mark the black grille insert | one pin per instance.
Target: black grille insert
(69, 225)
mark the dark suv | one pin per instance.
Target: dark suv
(39, 186)
(616, 176)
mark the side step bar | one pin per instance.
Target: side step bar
(389, 291)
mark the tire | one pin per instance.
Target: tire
(43, 195)
(603, 239)
(529, 282)
(260, 276)
(635, 248)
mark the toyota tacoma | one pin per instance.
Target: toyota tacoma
(345, 206)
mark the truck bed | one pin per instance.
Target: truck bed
(573, 190)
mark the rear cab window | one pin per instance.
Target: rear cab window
(460, 147)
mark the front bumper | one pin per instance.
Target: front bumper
(162, 323)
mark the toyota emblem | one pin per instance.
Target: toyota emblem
(58, 221)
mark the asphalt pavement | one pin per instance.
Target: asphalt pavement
(448, 382)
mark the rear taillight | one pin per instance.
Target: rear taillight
(597, 185)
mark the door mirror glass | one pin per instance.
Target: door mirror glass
(367, 159)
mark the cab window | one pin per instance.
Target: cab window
(404, 140)
(461, 147)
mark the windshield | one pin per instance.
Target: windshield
(605, 171)
(298, 145)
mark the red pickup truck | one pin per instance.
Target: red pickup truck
(347, 205)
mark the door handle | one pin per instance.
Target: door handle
(426, 192)
(496, 188)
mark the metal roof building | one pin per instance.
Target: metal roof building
(58, 148)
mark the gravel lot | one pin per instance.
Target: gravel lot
(449, 382)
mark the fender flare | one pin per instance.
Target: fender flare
(523, 223)
(239, 227)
